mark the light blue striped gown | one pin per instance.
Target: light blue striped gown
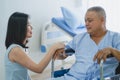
(85, 48)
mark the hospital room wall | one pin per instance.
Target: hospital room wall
(40, 12)
(2, 39)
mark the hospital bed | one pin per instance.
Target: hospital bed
(51, 33)
(61, 29)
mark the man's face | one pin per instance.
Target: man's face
(94, 22)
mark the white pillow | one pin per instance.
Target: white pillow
(73, 17)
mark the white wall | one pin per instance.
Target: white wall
(40, 11)
(2, 38)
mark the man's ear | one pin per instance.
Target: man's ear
(102, 19)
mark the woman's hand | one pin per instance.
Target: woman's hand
(57, 46)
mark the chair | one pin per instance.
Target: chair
(118, 69)
(61, 72)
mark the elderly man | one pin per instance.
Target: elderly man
(91, 47)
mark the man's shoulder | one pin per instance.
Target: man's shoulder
(114, 33)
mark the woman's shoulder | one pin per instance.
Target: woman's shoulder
(13, 46)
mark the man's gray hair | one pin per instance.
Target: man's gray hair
(99, 10)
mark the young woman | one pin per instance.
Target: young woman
(16, 60)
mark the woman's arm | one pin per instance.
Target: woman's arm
(19, 56)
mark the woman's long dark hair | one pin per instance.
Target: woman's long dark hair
(16, 29)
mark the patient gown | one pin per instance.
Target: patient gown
(85, 48)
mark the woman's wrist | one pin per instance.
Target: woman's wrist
(52, 50)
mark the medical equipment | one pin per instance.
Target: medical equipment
(57, 30)
(52, 69)
(101, 70)
(115, 77)
(51, 33)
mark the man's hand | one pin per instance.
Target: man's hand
(102, 54)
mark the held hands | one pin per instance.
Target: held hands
(102, 54)
(57, 50)
(60, 54)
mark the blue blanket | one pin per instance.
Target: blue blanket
(61, 23)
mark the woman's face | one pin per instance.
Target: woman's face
(29, 30)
